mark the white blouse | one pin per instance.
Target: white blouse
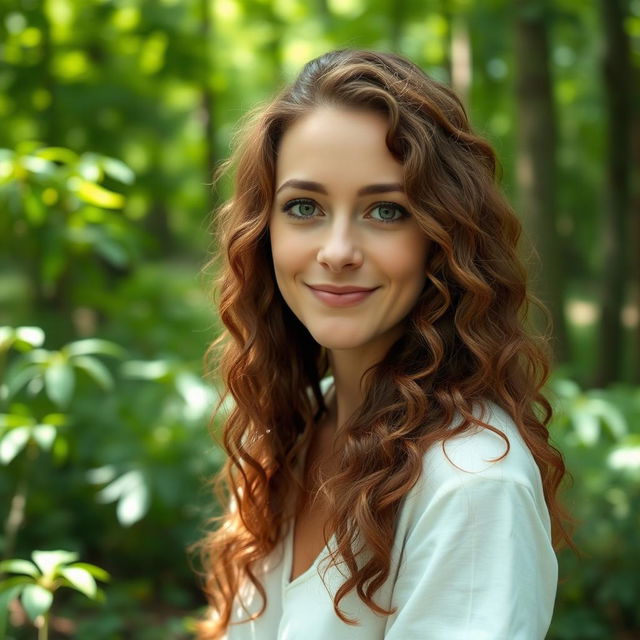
(471, 558)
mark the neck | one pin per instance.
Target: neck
(348, 367)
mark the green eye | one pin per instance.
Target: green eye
(390, 212)
(300, 208)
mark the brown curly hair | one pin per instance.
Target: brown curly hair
(465, 340)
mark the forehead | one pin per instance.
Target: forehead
(337, 145)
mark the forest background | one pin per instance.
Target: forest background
(114, 114)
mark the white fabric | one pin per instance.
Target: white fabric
(471, 559)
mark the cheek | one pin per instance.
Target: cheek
(286, 253)
(405, 262)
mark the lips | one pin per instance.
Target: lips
(330, 288)
(345, 296)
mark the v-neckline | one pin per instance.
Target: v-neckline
(288, 564)
(290, 536)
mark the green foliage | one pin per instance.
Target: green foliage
(36, 582)
(143, 450)
(20, 429)
(63, 214)
(599, 433)
(55, 371)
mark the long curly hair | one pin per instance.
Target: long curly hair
(466, 339)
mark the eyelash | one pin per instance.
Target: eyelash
(292, 203)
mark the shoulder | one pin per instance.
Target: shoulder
(473, 541)
(482, 452)
(477, 465)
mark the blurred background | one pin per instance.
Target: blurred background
(114, 114)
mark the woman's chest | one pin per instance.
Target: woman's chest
(312, 512)
(308, 538)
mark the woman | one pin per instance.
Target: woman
(389, 469)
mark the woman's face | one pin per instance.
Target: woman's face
(340, 219)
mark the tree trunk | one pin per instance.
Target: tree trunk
(536, 165)
(208, 97)
(634, 269)
(616, 70)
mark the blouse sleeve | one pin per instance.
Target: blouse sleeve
(477, 564)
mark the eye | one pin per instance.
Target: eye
(300, 208)
(390, 212)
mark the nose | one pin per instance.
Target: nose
(340, 248)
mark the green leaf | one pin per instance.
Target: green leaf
(197, 396)
(59, 379)
(32, 336)
(36, 600)
(44, 435)
(133, 505)
(39, 356)
(627, 455)
(13, 442)
(19, 378)
(16, 581)
(566, 388)
(96, 572)
(96, 370)
(117, 488)
(58, 154)
(611, 416)
(49, 561)
(81, 580)
(587, 426)
(95, 194)
(146, 370)
(91, 346)
(99, 475)
(130, 490)
(118, 170)
(17, 565)
(89, 167)
(38, 165)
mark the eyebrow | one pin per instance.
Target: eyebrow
(309, 185)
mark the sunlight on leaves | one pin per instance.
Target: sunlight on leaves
(132, 495)
(13, 443)
(81, 579)
(36, 600)
(19, 566)
(59, 380)
(48, 561)
(95, 194)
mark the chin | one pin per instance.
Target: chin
(337, 339)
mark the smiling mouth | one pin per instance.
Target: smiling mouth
(344, 299)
